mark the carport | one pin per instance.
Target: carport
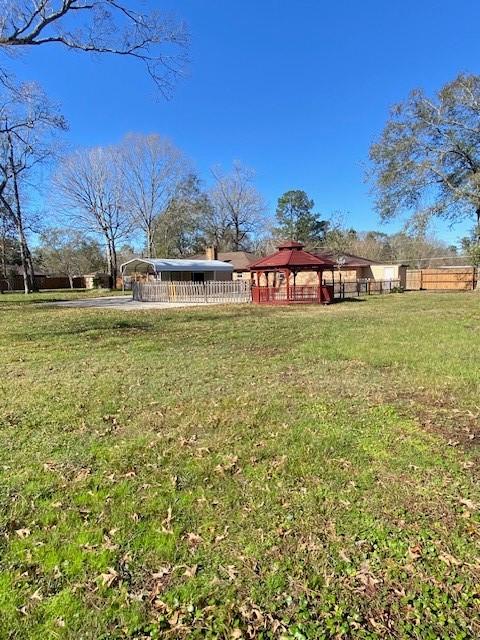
(176, 270)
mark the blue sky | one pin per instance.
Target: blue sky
(295, 89)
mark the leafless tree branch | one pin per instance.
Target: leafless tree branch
(157, 40)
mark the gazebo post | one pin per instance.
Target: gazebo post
(319, 275)
(287, 277)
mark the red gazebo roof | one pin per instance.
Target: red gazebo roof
(290, 255)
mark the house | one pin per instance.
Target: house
(350, 267)
(240, 261)
(176, 270)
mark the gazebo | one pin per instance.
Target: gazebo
(274, 277)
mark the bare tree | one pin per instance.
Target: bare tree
(152, 168)
(180, 228)
(27, 121)
(98, 26)
(238, 207)
(91, 193)
(69, 252)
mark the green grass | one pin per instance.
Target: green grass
(56, 295)
(241, 472)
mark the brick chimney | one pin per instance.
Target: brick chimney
(212, 253)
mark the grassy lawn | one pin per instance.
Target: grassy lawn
(241, 472)
(56, 295)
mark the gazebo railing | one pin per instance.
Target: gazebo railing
(294, 294)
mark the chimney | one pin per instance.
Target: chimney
(212, 253)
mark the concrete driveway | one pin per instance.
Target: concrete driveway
(120, 303)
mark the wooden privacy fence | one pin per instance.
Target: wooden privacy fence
(455, 279)
(199, 292)
(15, 283)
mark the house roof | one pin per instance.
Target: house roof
(164, 264)
(17, 269)
(240, 260)
(291, 255)
(351, 260)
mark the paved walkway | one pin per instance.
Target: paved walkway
(121, 303)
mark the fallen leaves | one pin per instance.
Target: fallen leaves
(191, 572)
(109, 578)
(231, 571)
(36, 596)
(221, 536)
(414, 552)
(229, 465)
(193, 539)
(343, 555)
(161, 579)
(368, 581)
(470, 504)
(448, 559)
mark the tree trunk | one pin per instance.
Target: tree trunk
(70, 279)
(114, 266)
(31, 270)
(4, 256)
(475, 275)
(112, 262)
(150, 244)
(26, 256)
(27, 284)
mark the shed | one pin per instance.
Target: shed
(178, 270)
(351, 268)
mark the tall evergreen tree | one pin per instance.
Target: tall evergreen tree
(296, 219)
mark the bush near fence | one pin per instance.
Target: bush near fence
(455, 279)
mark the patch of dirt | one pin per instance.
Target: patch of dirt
(440, 415)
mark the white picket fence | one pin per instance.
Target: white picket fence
(198, 292)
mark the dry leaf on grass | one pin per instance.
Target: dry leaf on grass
(231, 572)
(191, 572)
(343, 556)
(193, 539)
(109, 578)
(222, 536)
(473, 506)
(414, 552)
(166, 528)
(449, 559)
